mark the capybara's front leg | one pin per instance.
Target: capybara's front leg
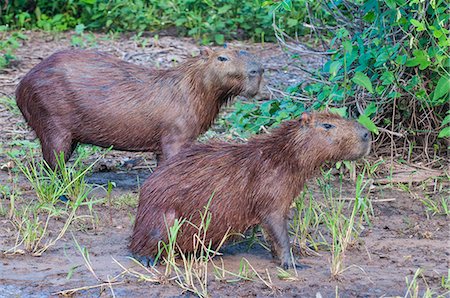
(276, 227)
(171, 145)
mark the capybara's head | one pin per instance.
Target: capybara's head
(334, 137)
(235, 70)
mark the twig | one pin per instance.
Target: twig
(391, 132)
(70, 292)
(279, 35)
(274, 90)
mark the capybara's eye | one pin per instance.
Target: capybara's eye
(327, 126)
(222, 58)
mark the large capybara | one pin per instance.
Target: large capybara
(80, 96)
(251, 183)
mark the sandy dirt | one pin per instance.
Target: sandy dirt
(401, 239)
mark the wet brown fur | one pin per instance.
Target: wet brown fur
(253, 183)
(79, 96)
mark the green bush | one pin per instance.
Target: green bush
(391, 69)
(9, 42)
(206, 20)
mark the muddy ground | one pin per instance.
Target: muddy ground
(402, 237)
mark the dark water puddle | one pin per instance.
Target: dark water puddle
(125, 180)
(18, 291)
(244, 246)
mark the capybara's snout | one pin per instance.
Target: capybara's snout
(364, 133)
(255, 71)
(254, 68)
(365, 138)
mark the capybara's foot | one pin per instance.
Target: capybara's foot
(288, 265)
(63, 198)
(145, 260)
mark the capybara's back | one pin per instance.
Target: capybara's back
(252, 183)
(79, 96)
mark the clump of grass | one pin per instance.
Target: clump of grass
(246, 272)
(307, 218)
(363, 204)
(344, 230)
(413, 286)
(190, 270)
(10, 104)
(5, 194)
(436, 206)
(170, 248)
(445, 281)
(127, 200)
(341, 229)
(192, 275)
(49, 184)
(32, 220)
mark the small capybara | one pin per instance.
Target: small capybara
(251, 183)
(81, 96)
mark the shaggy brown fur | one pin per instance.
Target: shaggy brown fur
(253, 183)
(79, 96)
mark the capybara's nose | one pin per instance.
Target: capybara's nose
(255, 69)
(363, 133)
(366, 136)
(243, 53)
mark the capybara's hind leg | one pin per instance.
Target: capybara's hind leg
(145, 242)
(53, 144)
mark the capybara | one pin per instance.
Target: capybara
(250, 183)
(81, 96)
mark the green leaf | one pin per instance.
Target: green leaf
(391, 4)
(369, 17)
(287, 5)
(437, 33)
(79, 29)
(292, 22)
(219, 38)
(421, 58)
(21, 36)
(401, 59)
(367, 123)
(224, 9)
(442, 88)
(387, 78)
(419, 25)
(446, 120)
(363, 80)
(340, 111)
(334, 68)
(265, 108)
(370, 109)
(348, 47)
(444, 133)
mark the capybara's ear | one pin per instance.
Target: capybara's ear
(306, 119)
(205, 52)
